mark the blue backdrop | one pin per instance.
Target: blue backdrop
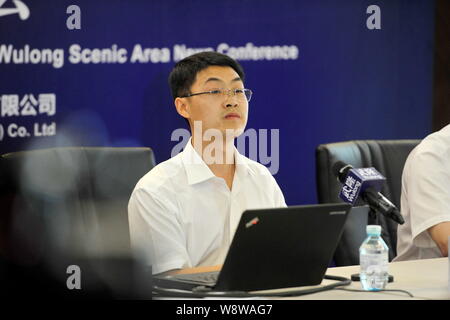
(335, 79)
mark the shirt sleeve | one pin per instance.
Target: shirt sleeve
(428, 186)
(155, 233)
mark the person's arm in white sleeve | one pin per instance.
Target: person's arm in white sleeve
(429, 198)
(155, 232)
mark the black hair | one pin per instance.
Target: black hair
(185, 71)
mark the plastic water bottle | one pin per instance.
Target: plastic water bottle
(373, 260)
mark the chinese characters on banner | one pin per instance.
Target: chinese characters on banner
(13, 107)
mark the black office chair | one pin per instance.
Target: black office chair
(69, 204)
(388, 157)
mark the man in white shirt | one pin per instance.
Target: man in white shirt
(184, 212)
(425, 200)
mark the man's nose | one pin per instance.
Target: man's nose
(231, 98)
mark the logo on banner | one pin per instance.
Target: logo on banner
(21, 9)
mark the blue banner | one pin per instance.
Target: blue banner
(94, 73)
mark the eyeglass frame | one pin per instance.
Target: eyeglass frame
(222, 90)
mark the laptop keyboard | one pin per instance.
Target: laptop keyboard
(202, 278)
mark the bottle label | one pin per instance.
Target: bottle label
(372, 264)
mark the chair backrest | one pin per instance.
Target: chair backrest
(75, 197)
(388, 157)
(64, 207)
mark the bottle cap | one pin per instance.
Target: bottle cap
(373, 230)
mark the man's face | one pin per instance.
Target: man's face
(217, 111)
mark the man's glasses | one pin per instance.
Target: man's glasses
(241, 94)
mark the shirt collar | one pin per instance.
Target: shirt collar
(197, 171)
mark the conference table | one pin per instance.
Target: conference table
(424, 279)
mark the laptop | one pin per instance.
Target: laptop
(273, 248)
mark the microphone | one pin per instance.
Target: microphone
(365, 183)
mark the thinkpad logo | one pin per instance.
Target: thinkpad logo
(252, 222)
(20, 8)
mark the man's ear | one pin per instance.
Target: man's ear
(182, 107)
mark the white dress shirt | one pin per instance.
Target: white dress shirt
(181, 215)
(425, 199)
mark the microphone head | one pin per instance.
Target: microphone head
(340, 170)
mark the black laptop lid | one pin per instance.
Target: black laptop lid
(282, 247)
